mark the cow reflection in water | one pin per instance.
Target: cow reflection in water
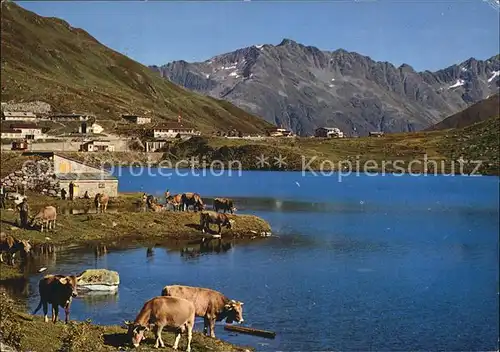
(100, 251)
(206, 246)
(150, 254)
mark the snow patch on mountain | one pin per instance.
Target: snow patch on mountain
(460, 82)
(495, 74)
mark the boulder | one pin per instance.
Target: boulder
(99, 280)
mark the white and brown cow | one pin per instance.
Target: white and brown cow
(211, 305)
(47, 217)
(170, 313)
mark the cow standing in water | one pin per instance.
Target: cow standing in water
(211, 305)
(224, 204)
(172, 313)
(11, 246)
(192, 199)
(101, 202)
(58, 290)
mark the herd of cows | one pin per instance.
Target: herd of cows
(183, 201)
(176, 308)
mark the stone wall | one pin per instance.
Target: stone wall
(34, 175)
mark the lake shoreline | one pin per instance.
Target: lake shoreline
(30, 333)
(125, 225)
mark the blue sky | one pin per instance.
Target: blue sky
(426, 34)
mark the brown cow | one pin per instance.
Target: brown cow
(209, 304)
(101, 202)
(46, 216)
(175, 314)
(11, 246)
(175, 201)
(194, 199)
(211, 217)
(58, 290)
(224, 204)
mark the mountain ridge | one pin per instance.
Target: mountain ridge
(302, 87)
(478, 112)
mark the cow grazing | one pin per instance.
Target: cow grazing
(224, 204)
(174, 314)
(191, 199)
(211, 217)
(46, 217)
(11, 246)
(211, 305)
(101, 202)
(175, 201)
(58, 290)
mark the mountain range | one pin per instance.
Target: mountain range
(302, 87)
(46, 59)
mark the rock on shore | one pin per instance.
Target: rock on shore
(99, 280)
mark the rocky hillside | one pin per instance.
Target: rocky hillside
(302, 87)
(46, 59)
(478, 112)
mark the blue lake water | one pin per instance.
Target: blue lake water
(369, 263)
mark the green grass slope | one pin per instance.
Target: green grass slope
(478, 112)
(46, 59)
(480, 141)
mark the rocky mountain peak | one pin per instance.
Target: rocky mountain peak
(303, 87)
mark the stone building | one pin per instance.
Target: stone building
(52, 172)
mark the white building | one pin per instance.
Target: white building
(174, 130)
(18, 116)
(139, 120)
(93, 128)
(26, 131)
(9, 133)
